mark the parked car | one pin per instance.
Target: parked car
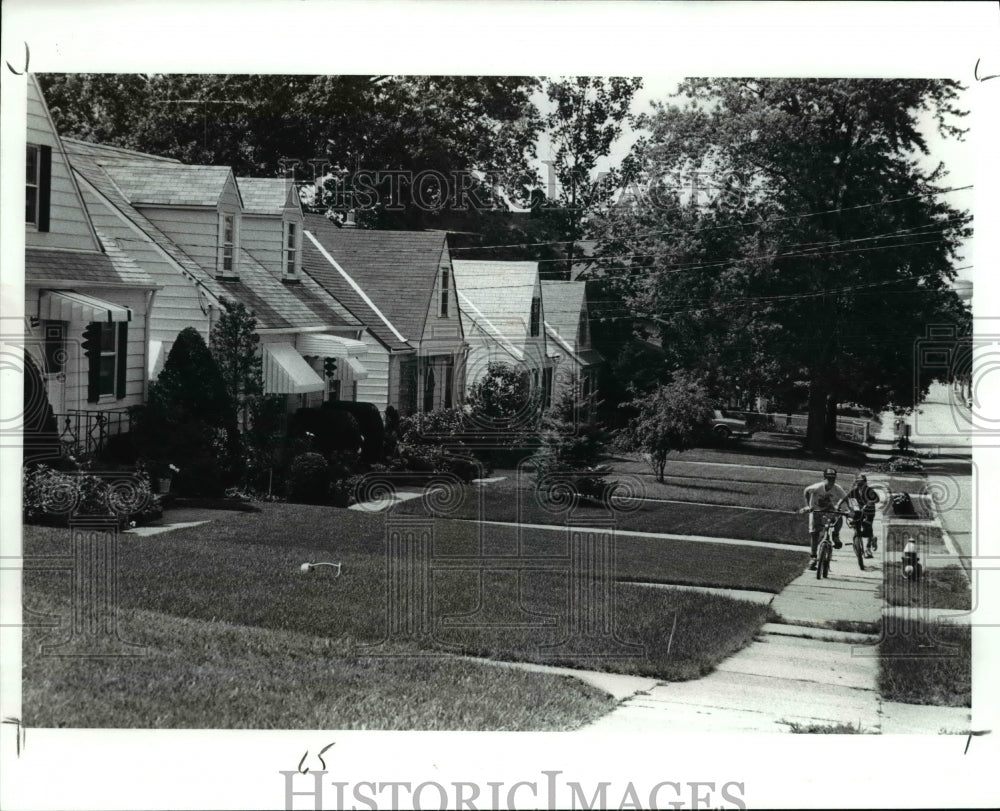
(727, 426)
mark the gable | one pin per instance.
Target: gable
(69, 226)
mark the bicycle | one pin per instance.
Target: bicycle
(859, 541)
(824, 550)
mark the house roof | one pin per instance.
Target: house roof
(42, 265)
(168, 184)
(109, 152)
(265, 195)
(395, 273)
(563, 303)
(277, 305)
(499, 292)
(89, 169)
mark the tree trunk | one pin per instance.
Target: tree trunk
(830, 427)
(815, 430)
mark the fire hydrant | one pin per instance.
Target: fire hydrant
(911, 561)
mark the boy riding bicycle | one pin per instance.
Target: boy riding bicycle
(864, 498)
(826, 495)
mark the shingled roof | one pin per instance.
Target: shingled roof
(43, 266)
(563, 304)
(395, 270)
(499, 291)
(264, 195)
(168, 184)
(277, 305)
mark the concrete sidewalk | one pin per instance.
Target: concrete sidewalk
(801, 671)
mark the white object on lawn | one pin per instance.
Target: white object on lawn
(308, 567)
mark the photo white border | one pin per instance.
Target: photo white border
(108, 769)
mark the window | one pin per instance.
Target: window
(536, 316)
(37, 180)
(584, 324)
(444, 292)
(546, 388)
(291, 249)
(228, 245)
(105, 347)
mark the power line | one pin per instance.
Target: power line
(718, 227)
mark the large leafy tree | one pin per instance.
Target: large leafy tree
(477, 133)
(583, 123)
(824, 254)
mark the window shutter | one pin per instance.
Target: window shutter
(44, 186)
(92, 351)
(121, 359)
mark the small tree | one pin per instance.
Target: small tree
(188, 420)
(671, 418)
(503, 399)
(234, 342)
(570, 445)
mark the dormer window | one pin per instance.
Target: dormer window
(536, 316)
(228, 244)
(445, 284)
(291, 262)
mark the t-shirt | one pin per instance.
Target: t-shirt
(819, 497)
(866, 497)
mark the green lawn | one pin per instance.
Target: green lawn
(200, 674)
(937, 588)
(239, 577)
(919, 666)
(757, 521)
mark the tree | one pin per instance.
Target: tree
(188, 420)
(426, 144)
(670, 418)
(503, 400)
(570, 446)
(585, 121)
(823, 253)
(234, 342)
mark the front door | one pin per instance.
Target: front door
(56, 361)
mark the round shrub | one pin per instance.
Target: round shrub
(309, 479)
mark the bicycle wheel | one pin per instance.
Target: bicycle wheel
(824, 564)
(859, 548)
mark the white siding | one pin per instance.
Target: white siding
(68, 223)
(262, 239)
(375, 389)
(176, 306)
(196, 231)
(76, 366)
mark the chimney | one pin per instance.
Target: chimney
(349, 220)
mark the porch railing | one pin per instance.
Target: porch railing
(86, 433)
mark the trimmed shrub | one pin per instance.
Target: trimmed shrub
(309, 479)
(54, 497)
(369, 425)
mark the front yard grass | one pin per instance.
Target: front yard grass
(200, 674)
(920, 665)
(946, 587)
(757, 521)
(239, 577)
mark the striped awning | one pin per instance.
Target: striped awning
(328, 346)
(358, 368)
(286, 371)
(68, 305)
